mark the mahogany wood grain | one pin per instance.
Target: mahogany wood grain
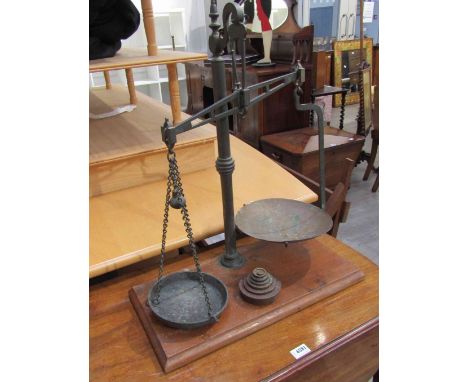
(120, 351)
(319, 78)
(148, 21)
(329, 68)
(375, 69)
(308, 272)
(303, 41)
(131, 86)
(195, 84)
(352, 358)
(174, 93)
(107, 79)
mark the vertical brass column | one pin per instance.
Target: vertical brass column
(224, 163)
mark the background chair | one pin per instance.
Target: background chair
(336, 205)
(375, 141)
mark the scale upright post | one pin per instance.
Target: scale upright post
(224, 164)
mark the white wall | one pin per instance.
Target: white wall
(301, 12)
(221, 4)
(195, 24)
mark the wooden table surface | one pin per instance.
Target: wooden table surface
(126, 225)
(341, 331)
(128, 58)
(135, 132)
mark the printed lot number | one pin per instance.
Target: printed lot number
(300, 351)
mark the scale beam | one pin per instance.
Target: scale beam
(240, 97)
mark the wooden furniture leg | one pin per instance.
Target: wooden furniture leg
(375, 139)
(375, 378)
(336, 205)
(131, 86)
(148, 21)
(370, 164)
(375, 187)
(107, 79)
(342, 111)
(174, 92)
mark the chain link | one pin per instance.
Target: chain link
(170, 158)
(174, 188)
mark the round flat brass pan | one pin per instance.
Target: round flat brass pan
(282, 220)
(182, 303)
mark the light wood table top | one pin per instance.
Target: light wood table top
(341, 331)
(128, 58)
(126, 225)
(134, 132)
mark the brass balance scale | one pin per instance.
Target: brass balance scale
(194, 299)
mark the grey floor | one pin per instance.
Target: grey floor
(361, 230)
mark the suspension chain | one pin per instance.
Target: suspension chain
(177, 201)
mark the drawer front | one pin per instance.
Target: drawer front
(282, 156)
(334, 163)
(308, 164)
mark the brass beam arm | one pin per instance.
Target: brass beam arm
(239, 97)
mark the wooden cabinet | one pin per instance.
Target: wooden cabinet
(322, 68)
(298, 150)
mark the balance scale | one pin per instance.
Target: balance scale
(279, 270)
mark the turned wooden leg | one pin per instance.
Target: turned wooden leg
(148, 21)
(342, 111)
(107, 79)
(336, 224)
(131, 86)
(375, 187)
(174, 92)
(370, 164)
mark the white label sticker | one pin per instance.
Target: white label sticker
(300, 351)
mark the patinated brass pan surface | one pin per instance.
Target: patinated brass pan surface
(182, 303)
(282, 220)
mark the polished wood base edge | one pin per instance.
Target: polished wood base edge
(304, 362)
(243, 331)
(231, 328)
(146, 323)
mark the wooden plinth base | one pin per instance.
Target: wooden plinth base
(308, 272)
